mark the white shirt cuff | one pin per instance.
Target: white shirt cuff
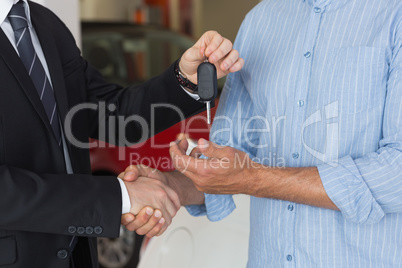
(126, 203)
(192, 95)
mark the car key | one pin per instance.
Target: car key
(207, 85)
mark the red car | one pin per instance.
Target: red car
(110, 159)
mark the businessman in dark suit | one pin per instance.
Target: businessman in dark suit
(51, 208)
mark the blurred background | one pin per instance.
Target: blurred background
(130, 41)
(191, 17)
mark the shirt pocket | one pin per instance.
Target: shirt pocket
(361, 78)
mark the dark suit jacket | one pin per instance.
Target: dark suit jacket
(41, 207)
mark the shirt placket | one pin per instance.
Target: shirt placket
(299, 104)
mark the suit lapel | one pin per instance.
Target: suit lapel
(13, 61)
(55, 66)
(51, 53)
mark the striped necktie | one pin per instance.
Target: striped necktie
(26, 50)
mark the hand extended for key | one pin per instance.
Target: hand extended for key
(207, 85)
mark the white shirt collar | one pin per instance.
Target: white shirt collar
(5, 7)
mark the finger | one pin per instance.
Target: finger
(183, 145)
(196, 153)
(164, 228)
(152, 223)
(157, 230)
(178, 156)
(179, 150)
(230, 59)
(152, 173)
(141, 219)
(224, 49)
(181, 136)
(212, 150)
(203, 42)
(133, 172)
(127, 218)
(212, 41)
(184, 163)
(237, 66)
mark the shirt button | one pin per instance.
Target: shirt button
(317, 10)
(290, 207)
(307, 54)
(289, 257)
(295, 155)
(62, 254)
(300, 103)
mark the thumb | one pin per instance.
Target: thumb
(133, 172)
(212, 150)
(127, 218)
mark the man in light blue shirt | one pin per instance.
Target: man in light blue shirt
(317, 111)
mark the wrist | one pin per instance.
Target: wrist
(257, 178)
(185, 189)
(172, 182)
(183, 80)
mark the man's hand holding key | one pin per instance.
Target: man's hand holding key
(217, 49)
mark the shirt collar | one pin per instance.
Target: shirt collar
(327, 4)
(319, 2)
(5, 7)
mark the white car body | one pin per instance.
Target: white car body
(196, 242)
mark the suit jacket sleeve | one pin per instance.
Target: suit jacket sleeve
(141, 111)
(51, 203)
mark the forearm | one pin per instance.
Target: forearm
(185, 188)
(299, 185)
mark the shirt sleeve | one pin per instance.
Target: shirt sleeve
(126, 203)
(216, 207)
(195, 96)
(367, 188)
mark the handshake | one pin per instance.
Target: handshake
(156, 197)
(153, 202)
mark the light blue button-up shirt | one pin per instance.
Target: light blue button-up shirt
(321, 86)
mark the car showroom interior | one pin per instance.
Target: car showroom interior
(200, 133)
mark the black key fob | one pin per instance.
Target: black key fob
(207, 81)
